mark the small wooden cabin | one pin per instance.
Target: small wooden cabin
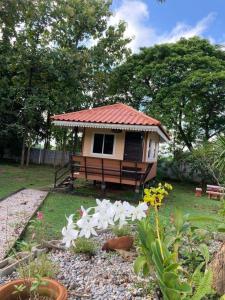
(119, 144)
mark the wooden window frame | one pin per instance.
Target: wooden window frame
(102, 154)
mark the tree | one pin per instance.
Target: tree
(182, 84)
(55, 55)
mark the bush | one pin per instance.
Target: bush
(86, 246)
(125, 230)
(41, 266)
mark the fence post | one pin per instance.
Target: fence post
(39, 159)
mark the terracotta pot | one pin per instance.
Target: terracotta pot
(53, 289)
(122, 243)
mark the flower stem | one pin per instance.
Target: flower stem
(157, 230)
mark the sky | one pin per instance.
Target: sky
(150, 22)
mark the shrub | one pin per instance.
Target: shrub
(125, 230)
(41, 266)
(86, 246)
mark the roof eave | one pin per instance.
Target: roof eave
(151, 128)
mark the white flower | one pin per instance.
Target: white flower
(139, 212)
(103, 220)
(87, 225)
(105, 207)
(122, 212)
(104, 213)
(84, 211)
(70, 221)
(69, 235)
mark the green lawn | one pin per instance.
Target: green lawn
(183, 198)
(13, 177)
(58, 205)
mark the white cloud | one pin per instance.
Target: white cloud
(186, 31)
(136, 14)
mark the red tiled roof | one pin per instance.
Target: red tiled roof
(111, 114)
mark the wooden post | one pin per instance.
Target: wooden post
(75, 131)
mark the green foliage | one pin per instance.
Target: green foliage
(41, 266)
(221, 211)
(85, 246)
(60, 53)
(167, 255)
(219, 153)
(178, 83)
(24, 246)
(203, 282)
(38, 230)
(36, 283)
(121, 231)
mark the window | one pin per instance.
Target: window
(152, 150)
(103, 143)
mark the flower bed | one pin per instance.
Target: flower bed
(102, 276)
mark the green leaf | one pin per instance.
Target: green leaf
(171, 267)
(205, 252)
(221, 228)
(139, 264)
(178, 219)
(204, 287)
(203, 219)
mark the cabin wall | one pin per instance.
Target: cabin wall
(118, 152)
(118, 146)
(153, 136)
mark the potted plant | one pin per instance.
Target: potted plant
(35, 281)
(33, 289)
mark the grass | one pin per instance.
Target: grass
(183, 198)
(58, 205)
(13, 177)
(55, 209)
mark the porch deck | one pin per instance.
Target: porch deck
(112, 170)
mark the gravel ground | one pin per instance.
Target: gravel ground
(103, 276)
(15, 212)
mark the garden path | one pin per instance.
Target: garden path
(15, 211)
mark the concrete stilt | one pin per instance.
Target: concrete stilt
(103, 186)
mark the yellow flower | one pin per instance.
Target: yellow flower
(155, 195)
(168, 186)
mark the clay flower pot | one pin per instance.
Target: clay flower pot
(122, 243)
(53, 289)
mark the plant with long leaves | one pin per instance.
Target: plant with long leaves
(159, 249)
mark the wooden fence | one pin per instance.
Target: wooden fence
(49, 157)
(45, 157)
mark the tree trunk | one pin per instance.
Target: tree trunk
(47, 136)
(22, 161)
(185, 139)
(28, 156)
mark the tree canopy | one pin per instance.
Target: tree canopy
(55, 57)
(182, 84)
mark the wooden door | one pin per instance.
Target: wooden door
(133, 149)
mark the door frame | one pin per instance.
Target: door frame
(142, 136)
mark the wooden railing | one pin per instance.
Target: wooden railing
(111, 170)
(60, 173)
